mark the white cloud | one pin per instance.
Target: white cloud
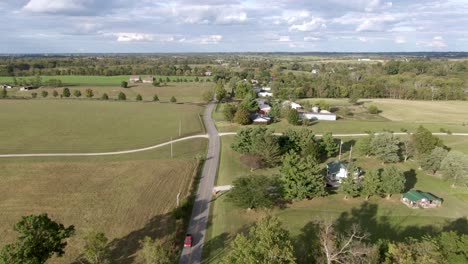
(311, 25)
(437, 42)
(206, 14)
(128, 37)
(284, 39)
(312, 38)
(400, 40)
(56, 6)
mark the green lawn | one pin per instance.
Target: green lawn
(381, 217)
(45, 126)
(80, 80)
(127, 197)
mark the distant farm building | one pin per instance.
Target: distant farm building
(6, 86)
(265, 94)
(208, 73)
(149, 79)
(264, 109)
(419, 199)
(337, 170)
(135, 78)
(293, 105)
(27, 88)
(260, 119)
(318, 116)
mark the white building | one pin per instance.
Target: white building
(135, 78)
(6, 86)
(265, 94)
(293, 105)
(318, 116)
(266, 88)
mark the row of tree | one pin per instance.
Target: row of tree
(268, 242)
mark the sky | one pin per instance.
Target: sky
(113, 26)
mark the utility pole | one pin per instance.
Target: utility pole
(171, 149)
(350, 153)
(341, 144)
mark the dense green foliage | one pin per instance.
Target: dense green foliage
(96, 249)
(254, 192)
(385, 146)
(39, 238)
(393, 181)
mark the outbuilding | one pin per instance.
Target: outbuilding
(135, 78)
(149, 79)
(420, 199)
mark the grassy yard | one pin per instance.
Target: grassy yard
(45, 126)
(381, 217)
(127, 197)
(79, 80)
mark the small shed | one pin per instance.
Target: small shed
(149, 79)
(264, 120)
(135, 78)
(208, 73)
(420, 199)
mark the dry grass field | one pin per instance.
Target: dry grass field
(127, 197)
(450, 112)
(46, 126)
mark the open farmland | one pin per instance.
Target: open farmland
(47, 126)
(126, 196)
(382, 218)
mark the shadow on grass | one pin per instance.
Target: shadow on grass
(411, 179)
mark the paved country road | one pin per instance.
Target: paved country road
(201, 207)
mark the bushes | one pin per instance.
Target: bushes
(155, 98)
(372, 109)
(44, 94)
(124, 84)
(105, 97)
(66, 92)
(34, 95)
(139, 98)
(77, 93)
(173, 99)
(122, 96)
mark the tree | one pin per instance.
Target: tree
(207, 95)
(242, 116)
(349, 185)
(373, 109)
(385, 147)
(253, 161)
(156, 83)
(244, 139)
(453, 247)
(254, 191)
(242, 89)
(229, 110)
(301, 177)
(220, 91)
(364, 145)
(349, 247)
(33, 95)
(104, 96)
(138, 97)
(424, 142)
(433, 161)
(329, 146)
(3, 93)
(96, 249)
(44, 94)
(407, 148)
(155, 252)
(275, 111)
(124, 84)
(412, 250)
(173, 99)
(393, 181)
(89, 93)
(371, 184)
(77, 93)
(249, 103)
(266, 242)
(268, 147)
(122, 96)
(455, 167)
(55, 93)
(293, 117)
(66, 92)
(155, 98)
(39, 238)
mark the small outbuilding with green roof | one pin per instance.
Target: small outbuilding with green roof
(420, 199)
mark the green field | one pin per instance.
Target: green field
(47, 126)
(80, 80)
(382, 218)
(127, 197)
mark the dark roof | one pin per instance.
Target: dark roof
(415, 196)
(335, 166)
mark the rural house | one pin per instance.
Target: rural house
(27, 88)
(6, 86)
(135, 78)
(419, 199)
(149, 79)
(208, 73)
(337, 170)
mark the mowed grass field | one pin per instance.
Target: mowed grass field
(389, 219)
(127, 197)
(183, 92)
(48, 126)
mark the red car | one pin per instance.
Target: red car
(188, 240)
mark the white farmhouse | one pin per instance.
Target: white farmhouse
(265, 94)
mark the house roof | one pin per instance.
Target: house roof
(135, 77)
(335, 166)
(415, 196)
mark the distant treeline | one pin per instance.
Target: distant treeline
(294, 77)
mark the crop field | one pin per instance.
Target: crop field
(383, 218)
(127, 197)
(80, 80)
(47, 126)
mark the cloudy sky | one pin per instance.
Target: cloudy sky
(46, 26)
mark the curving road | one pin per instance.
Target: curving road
(201, 207)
